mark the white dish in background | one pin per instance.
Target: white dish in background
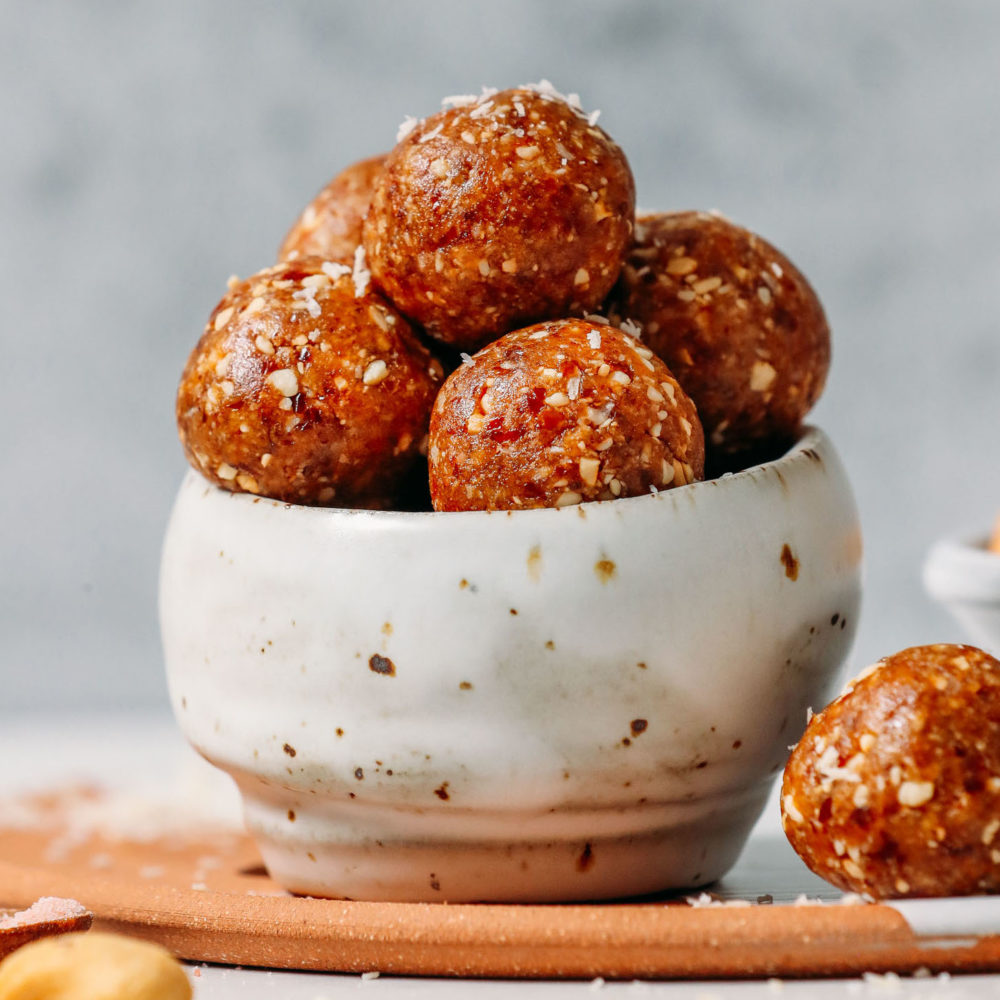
(575, 703)
(964, 575)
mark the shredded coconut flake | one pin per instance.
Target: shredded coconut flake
(631, 327)
(46, 910)
(307, 296)
(408, 124)
(830, 771)
(434, 132)
(852, 899)
(547, 92)
(458, 101)
(887, 982)
(704, 900)
(334, 270)
(361, 274)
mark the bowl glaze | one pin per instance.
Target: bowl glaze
(576, 703)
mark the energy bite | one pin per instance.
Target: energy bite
(330, 225)
(308, 387)
(557, 414)
(894, 790)
(734, 319)
(498, 212)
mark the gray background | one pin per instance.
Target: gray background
(151, 150)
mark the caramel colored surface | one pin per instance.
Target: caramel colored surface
(330, 225)
(734, 319)
(557, 414)
(498, 213)
(892, 791)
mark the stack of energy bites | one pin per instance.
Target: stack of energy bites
(592, 355)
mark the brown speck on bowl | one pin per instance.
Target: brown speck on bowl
(605, 570)
(379, 664)
(790, 563)
(535, 562)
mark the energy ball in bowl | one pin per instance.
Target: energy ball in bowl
(557, 414)
(894, 790)
(330, 225)
(503, 211)
(736, 322)
(308, 387)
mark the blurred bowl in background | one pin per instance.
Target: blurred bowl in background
(964, 575)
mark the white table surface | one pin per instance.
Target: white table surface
(128, 751)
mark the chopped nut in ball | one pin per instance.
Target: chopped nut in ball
(308, 387)
(894, 790)
(330, 225)
(499, 212)
(735, 320)
(557, 414)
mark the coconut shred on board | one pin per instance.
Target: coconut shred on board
(48, 909)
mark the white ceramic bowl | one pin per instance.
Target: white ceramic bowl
(964, 576)
(579, 703)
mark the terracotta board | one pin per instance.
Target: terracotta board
(205, 896)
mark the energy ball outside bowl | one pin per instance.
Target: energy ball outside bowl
(557, 414)
(894, 790)
(735, 320)
(502, 211)
(308, 387)
(330, 225)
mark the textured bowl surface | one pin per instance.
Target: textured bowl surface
(964, 575)
(576, 703)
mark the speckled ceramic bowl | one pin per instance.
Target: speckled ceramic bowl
(964, 575)
(579, 703)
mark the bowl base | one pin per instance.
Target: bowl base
(674, 857)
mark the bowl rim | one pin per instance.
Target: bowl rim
(808, 446)
(959, 568)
